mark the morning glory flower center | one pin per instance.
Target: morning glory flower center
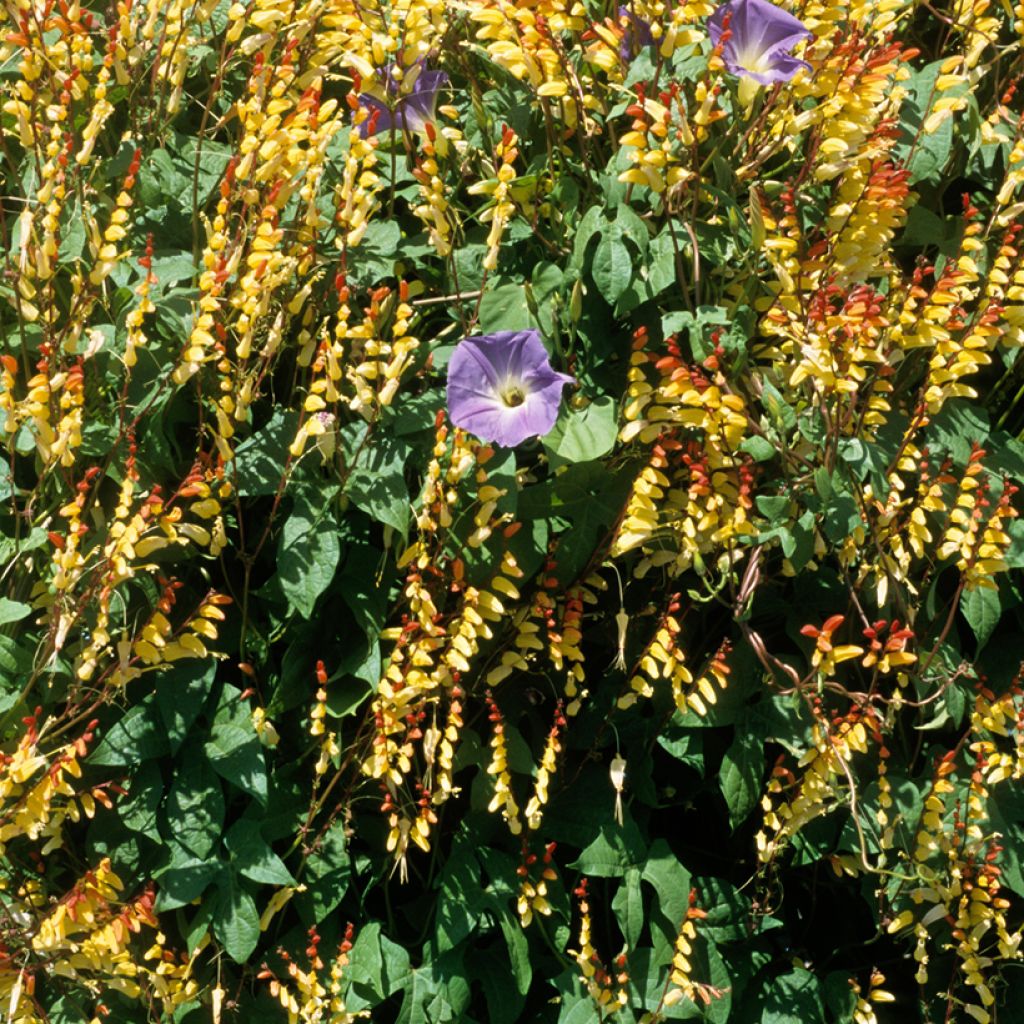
(512, 394)
(501, 387)
(751, 60)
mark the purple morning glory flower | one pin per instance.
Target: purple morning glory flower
(501, 387)
(760, 39)
(411, 111)
(636, 32)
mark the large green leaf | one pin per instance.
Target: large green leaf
(252, 855)
(981, 607)
(185, 879)
(437, 992)
(671, 883)
(260, 460)
(181, 693)
(236, 921)
(308, 551)
(326, 875)
(614, 852)
(13, 611)
(194, 812)
(378, 967)
(234, 750)
(740, 775)
(580, 435)
(504, 1002)
(793, 998)
(578, 1009)
(628, 906)
(661, 263)
(586, 495)
(504, 309)
(719, 1010)
(139, 810)
(612, 268)
(134, 738)
(375, 481)
(518, 952)
(461, 898)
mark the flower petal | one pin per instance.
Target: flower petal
(383, 121)
(485, 356)
(500, 425)
(431, 82)
(758, 25)
(541, 408)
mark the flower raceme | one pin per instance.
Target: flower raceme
(757, 38)
(404, 107)
(501, 387)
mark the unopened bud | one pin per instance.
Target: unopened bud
(576, 302)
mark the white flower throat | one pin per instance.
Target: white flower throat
(512, 393)
(753, 61)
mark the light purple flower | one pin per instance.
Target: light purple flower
(410, 111)
(760, 39)
(501, 387)
(636, 34)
